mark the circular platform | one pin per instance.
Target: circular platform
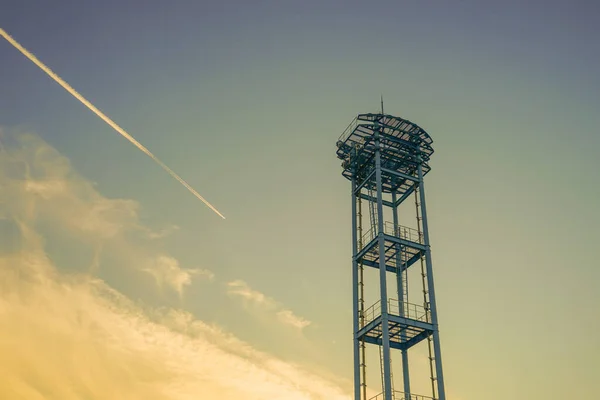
(403, 145)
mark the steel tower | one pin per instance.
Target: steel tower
(386, 158)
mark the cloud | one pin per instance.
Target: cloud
(285, 316)
(166, 271)
(241, 288)
(67, 336)
(40, 186)
(162, 233)
(289, 318)
(71, 337)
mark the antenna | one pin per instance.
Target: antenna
(382, 104)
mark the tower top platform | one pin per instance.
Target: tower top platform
(402, 143)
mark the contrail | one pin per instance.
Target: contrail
(99, 113)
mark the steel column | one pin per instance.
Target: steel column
(432, 304)
(355, 296)
(400, 284)
(387, 389)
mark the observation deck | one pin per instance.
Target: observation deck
(402, 144)
(408, 324)
(403, 247)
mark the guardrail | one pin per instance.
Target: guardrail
(402, 232)
(348, 131)
(396, 395)
(370, 313)
(409, 310)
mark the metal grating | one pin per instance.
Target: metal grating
(401, 142)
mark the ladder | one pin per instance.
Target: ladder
(432, 375)
(373, 219)
(372, 213)
(381, 361)
(361, 302)
(403, 278)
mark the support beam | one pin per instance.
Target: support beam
(404, 242)
(432, 302)
(387, 383)
(400, 281)
(410, 322)
(402, 142)
(374, 200)
(392, 240)
(404, 196)
(355, 296)
(364, 335)
(365, 250)
(416, 339)
(368, 327)
(400, 175)
(364, 182)
(389, 268)
(378, 342)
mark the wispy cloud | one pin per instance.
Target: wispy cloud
(162, 233)
(39, 185)
(242, 289)
(72, 336)
(167, 271)
(289, 318)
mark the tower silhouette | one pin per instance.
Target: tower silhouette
(386, 158)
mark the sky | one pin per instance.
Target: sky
(118, 283)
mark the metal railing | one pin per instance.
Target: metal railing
(410, 311)
(370, 313)
(402, 232)
(396, 395)
(348, 131)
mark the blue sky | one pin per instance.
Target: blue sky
(245, 102)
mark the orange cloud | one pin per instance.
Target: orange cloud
(67, 336)
(242, 289)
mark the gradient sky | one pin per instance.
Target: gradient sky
(245, 100)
